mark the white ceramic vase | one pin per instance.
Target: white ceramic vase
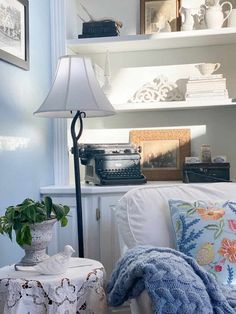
(214, 16)
(41, 236)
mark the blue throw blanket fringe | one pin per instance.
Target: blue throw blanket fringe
(173, 280)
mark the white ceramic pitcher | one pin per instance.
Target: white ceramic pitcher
(187, 19)
(214, 16)
(232, 19)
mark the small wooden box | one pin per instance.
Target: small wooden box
(206, 172)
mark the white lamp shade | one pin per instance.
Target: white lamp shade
(75, 88)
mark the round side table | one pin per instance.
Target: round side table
(80, 290)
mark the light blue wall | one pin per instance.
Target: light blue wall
(30, 165)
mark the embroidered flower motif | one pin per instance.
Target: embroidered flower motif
(218, 268)
(232, 224)
(228, 249)
(66, 291)
(210, 213)
(206, 254)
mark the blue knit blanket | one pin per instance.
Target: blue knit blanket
(174, 282)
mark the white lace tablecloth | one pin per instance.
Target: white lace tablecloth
(80, 290)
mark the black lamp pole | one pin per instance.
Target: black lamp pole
(79, 116)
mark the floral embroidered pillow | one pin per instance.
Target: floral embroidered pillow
(207, 232)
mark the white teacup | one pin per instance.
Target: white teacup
(207, 68)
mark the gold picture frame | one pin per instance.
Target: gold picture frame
(156, 15)
(162, 152)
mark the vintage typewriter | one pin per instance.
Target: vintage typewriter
(111, 164)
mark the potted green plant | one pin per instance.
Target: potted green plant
(32, 222)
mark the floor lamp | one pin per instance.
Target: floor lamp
(76, 94)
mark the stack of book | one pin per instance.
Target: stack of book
(202, 87)
(104, 28)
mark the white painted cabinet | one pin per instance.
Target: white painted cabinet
(109, 242)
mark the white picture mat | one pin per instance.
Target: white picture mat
(15, 47)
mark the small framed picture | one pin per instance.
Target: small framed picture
(163, 152)
(159, 16)
(14, 32)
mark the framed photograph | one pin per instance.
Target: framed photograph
(14, 32)
(162, 152)
(159, 16)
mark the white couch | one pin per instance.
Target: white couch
(143, 218)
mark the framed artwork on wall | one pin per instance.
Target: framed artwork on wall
(14, 32)
(159, 16)
(162, 152)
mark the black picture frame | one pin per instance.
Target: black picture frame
(14, 33)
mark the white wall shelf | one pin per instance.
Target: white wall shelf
(197, 38)
(174, 105)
